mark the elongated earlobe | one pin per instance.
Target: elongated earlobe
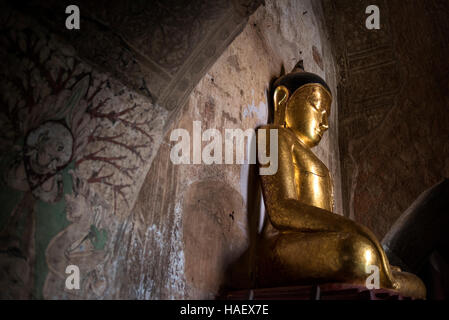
(280, 97)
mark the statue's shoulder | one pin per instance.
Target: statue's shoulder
(266, 128)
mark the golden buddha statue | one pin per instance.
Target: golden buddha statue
(303, 241)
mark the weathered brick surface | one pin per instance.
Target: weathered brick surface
(394, 124)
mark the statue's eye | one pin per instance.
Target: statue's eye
(60, 148)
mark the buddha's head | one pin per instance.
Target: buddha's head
(302, 102)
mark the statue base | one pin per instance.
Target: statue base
(328, 291)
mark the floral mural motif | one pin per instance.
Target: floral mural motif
(82, 118)
(49, 145)
(47, 150)
(68, 134)
(44, 146)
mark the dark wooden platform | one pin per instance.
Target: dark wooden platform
(330, 291)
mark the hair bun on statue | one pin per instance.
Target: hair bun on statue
(298, 77)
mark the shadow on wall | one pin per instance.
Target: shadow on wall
(241, 273)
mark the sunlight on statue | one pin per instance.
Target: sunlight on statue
(303, 241)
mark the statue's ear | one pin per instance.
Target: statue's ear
(280, 98)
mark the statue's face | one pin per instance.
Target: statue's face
(307, 113)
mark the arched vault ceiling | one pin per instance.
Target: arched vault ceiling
(158, 48)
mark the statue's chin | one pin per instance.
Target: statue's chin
(316, 139)
(309, 139)
(313, 142)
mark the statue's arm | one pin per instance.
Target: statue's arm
(287, 213)
(290, 214)
(284, 209)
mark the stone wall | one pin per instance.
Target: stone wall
(203, 211)
(393, 117)
(86, 176)
(75, 143)
(83, 114)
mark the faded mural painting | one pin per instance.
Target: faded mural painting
(85, 175)
(68, 134)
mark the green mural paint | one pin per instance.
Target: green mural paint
(50, 220)
(98, 237)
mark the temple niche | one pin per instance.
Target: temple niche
(86, 137)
